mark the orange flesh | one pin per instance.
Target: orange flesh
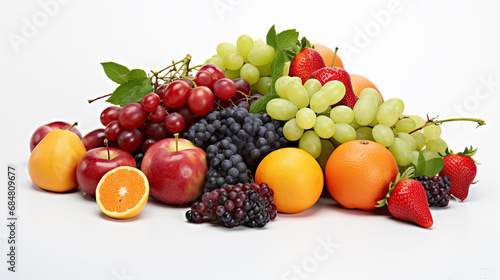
(122, 190)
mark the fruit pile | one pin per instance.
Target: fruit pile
(264, 128)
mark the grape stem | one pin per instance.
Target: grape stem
(174, 72)
(100, 97)
(436, 122)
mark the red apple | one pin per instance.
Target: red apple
(94, 139)
(43, 130)
(95, 163)
(176, 176)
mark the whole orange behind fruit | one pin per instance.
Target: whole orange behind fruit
(295, 177)
(359, 83)
(358, 173)
(327, 55)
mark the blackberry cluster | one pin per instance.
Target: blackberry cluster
(234, 205)
(437, 189)
(231, 132)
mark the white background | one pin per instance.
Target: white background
(440, 58)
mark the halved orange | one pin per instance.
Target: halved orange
(122, 192)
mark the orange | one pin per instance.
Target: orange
(122, 192)
(327, 55)
(295, 177)
(52, 164)
(359, 83)
(358, 173)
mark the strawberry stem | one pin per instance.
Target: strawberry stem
(478, 121)
(334, 56)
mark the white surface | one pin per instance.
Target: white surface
(433, 55)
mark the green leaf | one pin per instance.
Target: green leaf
(135, 74)
(304, 43)
(420, 168)
(115, 72)
(433, 166)
(259, 106)
(289, 54)
(271, 39)
(287, 38)
(132, 91)
(277, 67)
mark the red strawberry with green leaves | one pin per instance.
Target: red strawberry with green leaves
(461, 169)
(326, 74)
(407, 200)
(305, 62)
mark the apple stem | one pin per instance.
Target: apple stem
(107, 147)
(334, 56)
(176, 135)
(100, 97)
(75, 123)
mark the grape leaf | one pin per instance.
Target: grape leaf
(131, 91)
(115, 72)
(259, 106)
(135, 74)
(271, 38)
(287, 38)
(434, 166)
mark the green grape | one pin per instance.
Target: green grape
(281, 85)
(342, 114)
(259, 42)
(387, 115)
(408, 139)
(217, 61)
(354, 124)
(439, 146)
(372, 93)
(261, 55)
(405, 125)
(286, 69)
(324, 127)
(250, 73)
(365, 110)
(335, 90)
(383, 135)
(428, 154)
(401, 152)
(327, 111)
(225, 48)
(373, 123)
(244, 44)
(232, 74)
(319, 102)
(312, 86)
(397, 103)
(364, 133)
(419, 139)
(216, 56)
(297, 79)
(311, 143)
(432, 132)
(263, 85)
(327, 149)
(281, 109)
(292, 131)
(306, 118)
(344, 133)
(296, 93)
(233, 61)
(265, 71)
(419, 121)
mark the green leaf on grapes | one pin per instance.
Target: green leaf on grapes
(259, 106)
(115, 72)
(271, 38)
(420, 168)
(287, 38)
(434, 166)
(135, 74)
(131, 91)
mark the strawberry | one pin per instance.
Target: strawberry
(407, 200)
(327, 74)
(305, 62)
(461, 169)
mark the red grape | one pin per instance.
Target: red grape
(224, 88)
(130, 139)
(175, 122)
(201, 100)
(113, 130)
(94, 139)
(188, 81)
(110, 114)
(203, 78)
(147, 143)
(158, 115)
(157, 131)
(161, 90)
(188, 115)
(243, 86)
(213, 69)
(150, 101)
(176, 94)
(132, 116)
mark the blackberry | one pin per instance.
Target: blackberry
(437, 189)
(234, 205)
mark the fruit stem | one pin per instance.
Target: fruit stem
(75, 123)
(176, 135)
(100, 97)
(334, 56)
(478, 121)
(107, 147)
